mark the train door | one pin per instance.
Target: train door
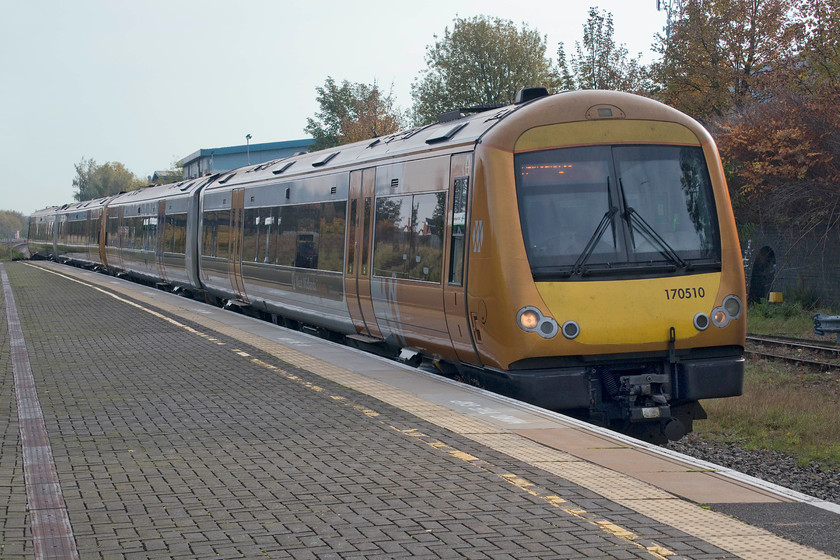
(354, 234)
(122, 238)
(455, 283)
(159, 244)
(358, 250)
(237, 214)
(103, 235)
(91, 249)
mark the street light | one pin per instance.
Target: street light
(248, 147)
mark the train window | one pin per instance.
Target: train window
(669, 191)
(563, 196)
(256, 234)
(176, 233)
(332, 228)
(459, 228)
(603, 209)
(305, 236)
(408, 236)
(366, 220)
(351, 235)
(215, 240)
(112, 237)
(149, 233)
(298, 241)
(427, 236)
(393, 237)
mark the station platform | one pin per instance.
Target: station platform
(139, 424)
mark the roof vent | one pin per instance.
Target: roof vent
(446, 134)
(324, 160)
(525, 95)
(286, 165)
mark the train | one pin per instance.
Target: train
(575, 250)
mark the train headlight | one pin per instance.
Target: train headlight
(528, 318)
(720, 318)
(701, 321)
(731, 309)
(732, 305)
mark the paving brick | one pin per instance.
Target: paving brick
(170, 445)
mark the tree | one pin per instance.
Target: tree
(598, 62)
(482, 61)
(718, 50)
(10, 222)
(783, 158)
(782, 152)
(350, 113)
(95, 181)
(818, 44)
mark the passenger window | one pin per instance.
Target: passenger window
(176, 233)
(392, 237)
(333, 225)
(409, 236)
(215, 234)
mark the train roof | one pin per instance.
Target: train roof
(156, 192)
(534, 107)
(82, 206)
(451, 130)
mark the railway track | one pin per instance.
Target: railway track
(821, 356)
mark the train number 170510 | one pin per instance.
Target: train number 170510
(684, 293)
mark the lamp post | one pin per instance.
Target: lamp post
(248, 147)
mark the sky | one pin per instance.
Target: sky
(148, 82)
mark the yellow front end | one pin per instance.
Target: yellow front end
(632, 340)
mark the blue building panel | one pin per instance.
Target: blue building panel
(208, 161)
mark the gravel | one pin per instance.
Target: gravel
(771, 466)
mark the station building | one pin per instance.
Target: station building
(208, 161)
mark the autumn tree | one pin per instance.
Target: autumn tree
(718, 50)
(95, 181)
(817, 65)
(598, 63)
(351, 112)
(482, 61)
(782, 152)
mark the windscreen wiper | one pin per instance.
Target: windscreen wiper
(596, 237)
(635, 219)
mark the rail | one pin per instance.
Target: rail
(795, 351)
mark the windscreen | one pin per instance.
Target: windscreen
(603, 209)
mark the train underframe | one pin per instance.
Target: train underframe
(652, 396)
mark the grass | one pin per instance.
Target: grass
(784, 408)
(789, 318)
(5, 253)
